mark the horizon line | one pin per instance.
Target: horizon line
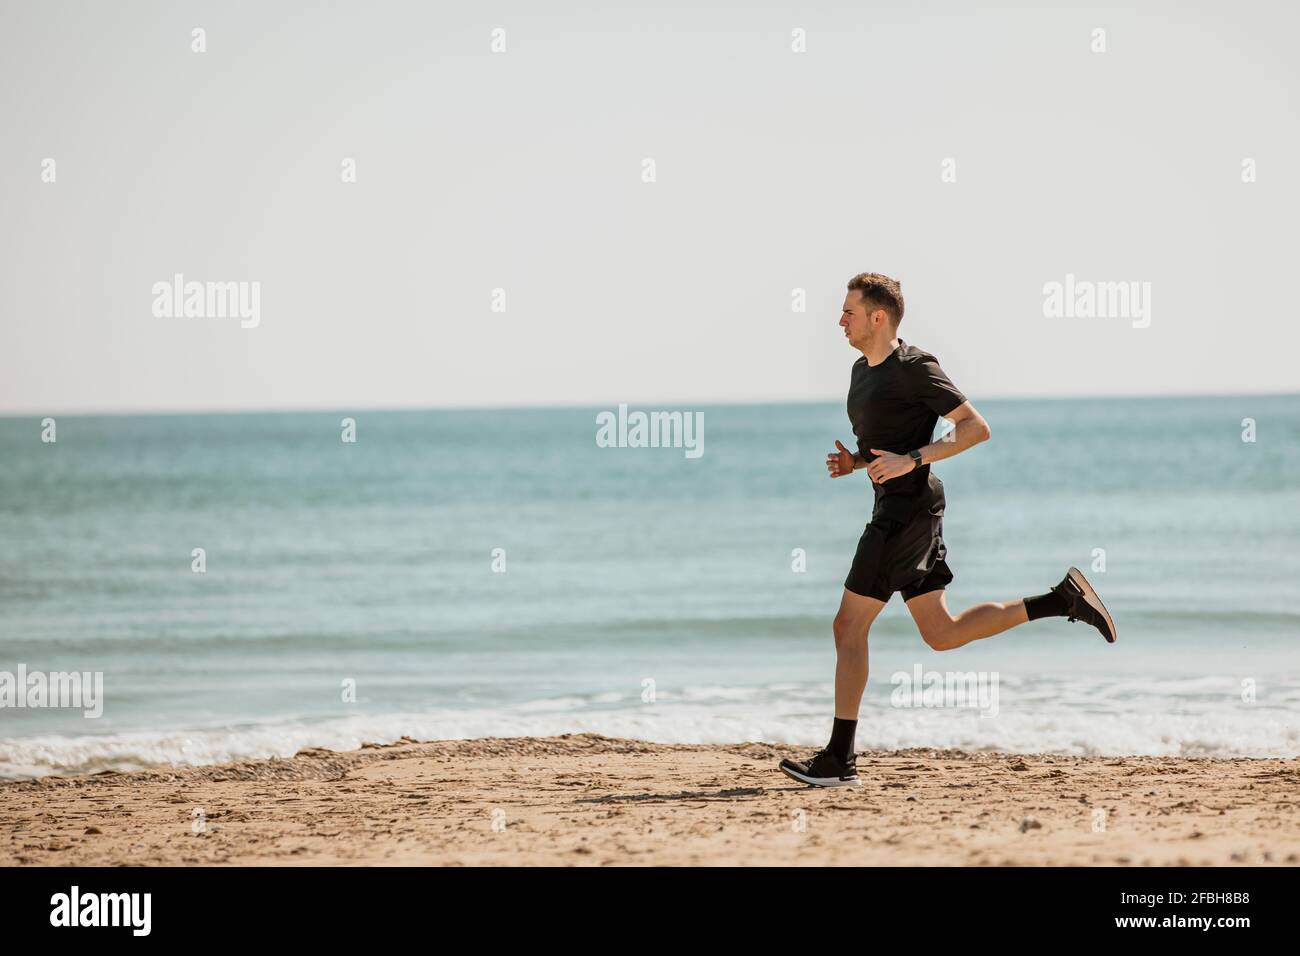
(560, 406)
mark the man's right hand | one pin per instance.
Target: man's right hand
(840, 463)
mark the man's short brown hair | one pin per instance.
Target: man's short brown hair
(879, 292)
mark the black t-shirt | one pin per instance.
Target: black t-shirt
(894, 406)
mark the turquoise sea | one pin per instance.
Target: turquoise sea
(495, 572)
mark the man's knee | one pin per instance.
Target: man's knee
(937, 635)
(849, 629)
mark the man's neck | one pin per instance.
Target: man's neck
(878, 353)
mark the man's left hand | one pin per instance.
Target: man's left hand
(888, 465)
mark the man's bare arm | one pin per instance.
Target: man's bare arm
(969, 429)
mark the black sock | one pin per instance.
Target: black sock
(841, 744)
(1051, 604)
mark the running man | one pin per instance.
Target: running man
(896, 396)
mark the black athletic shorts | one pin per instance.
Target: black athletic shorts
(907, 556)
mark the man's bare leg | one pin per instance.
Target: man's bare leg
(943, 631)
(851, 626)
(834, 765)
(1074, 598)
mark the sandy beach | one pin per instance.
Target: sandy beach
(583, 799)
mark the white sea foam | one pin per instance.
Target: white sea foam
(1028, 721)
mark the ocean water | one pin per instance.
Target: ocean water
(644, 593)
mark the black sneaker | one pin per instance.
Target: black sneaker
(1084, 604)
(823, 770)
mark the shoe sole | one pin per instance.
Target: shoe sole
(820, 781)
(1090, 596)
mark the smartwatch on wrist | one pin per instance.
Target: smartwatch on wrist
(915, 455)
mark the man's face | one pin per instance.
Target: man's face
(861, 328)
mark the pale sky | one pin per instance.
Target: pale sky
(523, 170)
